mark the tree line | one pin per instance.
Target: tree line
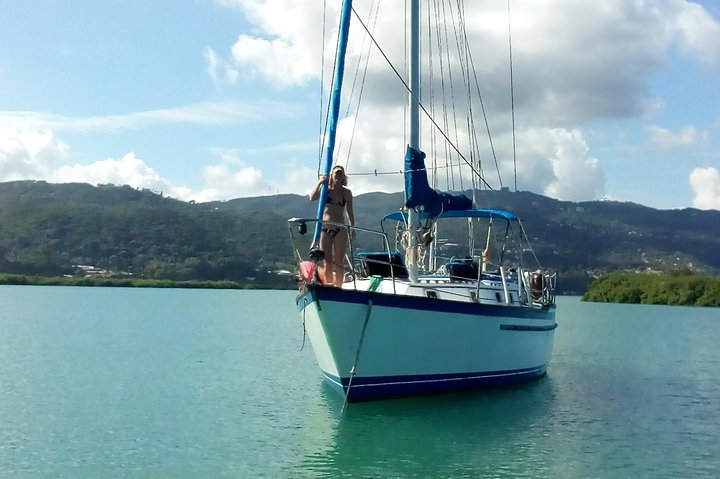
(680, 287)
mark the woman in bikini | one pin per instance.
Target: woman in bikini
(334, 239)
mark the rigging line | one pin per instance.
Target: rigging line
(446, 124)
(485, 117)
(512, 96)
(461, 41)
(472, 132)
(362, 83)
(352, 92)
(472, 127)
(438, 34)
(353, 371)
(379, 173)
(434, 183)
(327, 110)
(431, 72)
(472, 137)
(420, 104)
(471, 67)
(321, 127)
(398, 172)
(527, 241)
(474, 146)
(450, 74)
(302, 346)
(444, 56)
(406, 134)
(466, 81)
(462, 46)
(462, 57)
(433, 134)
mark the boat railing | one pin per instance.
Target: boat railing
(354, 259)
(551, 282)
(539, 286)
(533, 287)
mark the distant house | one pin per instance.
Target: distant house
(88, 270)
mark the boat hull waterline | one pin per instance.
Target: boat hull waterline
(405, 345)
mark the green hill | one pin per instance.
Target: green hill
(49, 229)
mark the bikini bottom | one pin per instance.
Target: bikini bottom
(332, 232)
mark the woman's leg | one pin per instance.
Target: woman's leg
(326, 245)
(339, 249)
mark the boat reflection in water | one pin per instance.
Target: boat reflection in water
(450, 435)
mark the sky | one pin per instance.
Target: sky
(220, 99)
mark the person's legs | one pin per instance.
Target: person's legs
(326, 245)
(339, 249)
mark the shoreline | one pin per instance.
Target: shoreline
(680, 288)
(123, 282)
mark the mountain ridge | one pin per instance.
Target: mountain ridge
(47, 228)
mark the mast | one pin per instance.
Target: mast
(343, 35)
(414, 141)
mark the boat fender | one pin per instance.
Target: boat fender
(307, 270)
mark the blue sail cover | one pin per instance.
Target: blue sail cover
(418, 193)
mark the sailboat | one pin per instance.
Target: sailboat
(406, 322)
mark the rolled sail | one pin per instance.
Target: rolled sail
(419, 194)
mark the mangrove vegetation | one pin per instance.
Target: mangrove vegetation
(675, 288)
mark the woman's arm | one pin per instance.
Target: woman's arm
(315, 193)
(350, 211)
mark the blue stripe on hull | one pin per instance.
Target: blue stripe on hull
(327, 293)
(384, 387)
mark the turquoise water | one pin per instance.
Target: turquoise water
(106, 382)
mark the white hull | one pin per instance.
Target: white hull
(406, 343)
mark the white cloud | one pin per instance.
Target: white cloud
(219, 69)
(206, 113)
(555, 161)
(574, 63)
(559, 163)
(372, 142)
(698, 31)
(666, 139)
(260, 53)
(286, 47)
(575, 60)
(128, 170)
(705, 183)
(233, 177)
(39, 155)
(296, 179)
(228, 180)
(28, 154)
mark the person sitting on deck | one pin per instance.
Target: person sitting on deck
(333, 238)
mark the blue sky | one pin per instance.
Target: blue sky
(218, 99)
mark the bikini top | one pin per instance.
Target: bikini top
(341, 203)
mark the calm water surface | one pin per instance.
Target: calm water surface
(126, 383)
